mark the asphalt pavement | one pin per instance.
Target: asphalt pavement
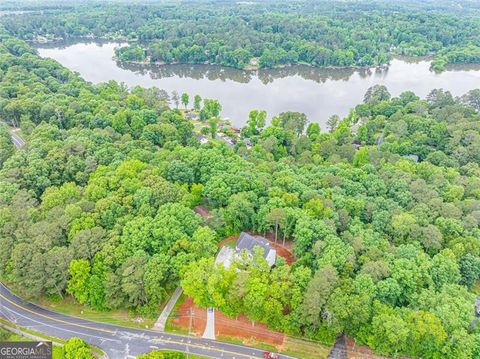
(17, 140)
(115, 341)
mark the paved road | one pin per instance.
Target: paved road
(17, 140)
(116, 341)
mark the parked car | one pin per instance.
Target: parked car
(269, 355)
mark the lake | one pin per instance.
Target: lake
(319, 93)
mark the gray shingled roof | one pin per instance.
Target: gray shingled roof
(248, 242)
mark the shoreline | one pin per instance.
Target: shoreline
(249, 68)
(62, 42)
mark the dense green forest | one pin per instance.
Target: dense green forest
(382, 206)
(98, 205)
(267, 33)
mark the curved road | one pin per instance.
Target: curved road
(116, 341)
(16, 139)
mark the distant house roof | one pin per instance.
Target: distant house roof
(201, 210)
(249, 242)
(414, 158)
(225, 139)
(192, 115)
(202, 139)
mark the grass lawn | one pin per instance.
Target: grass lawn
(305, 349)
(197, 124)
(7, 336)
(190, 356)
(298, 348)
(231, 243)
(249, 342)
(118, 317)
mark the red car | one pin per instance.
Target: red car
(269, 355)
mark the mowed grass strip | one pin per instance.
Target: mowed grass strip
(305, 349)
(116, 317)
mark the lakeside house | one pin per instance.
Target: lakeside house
(228, 140)
(203, 139)
(192, 116)
(246, 243)
(248, 143)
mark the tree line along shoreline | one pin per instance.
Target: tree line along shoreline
(384, 215)
(320, 34)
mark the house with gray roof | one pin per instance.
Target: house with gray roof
(192, 116)
(246, 243)
(203, 139)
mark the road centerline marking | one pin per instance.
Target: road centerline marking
(55, 319)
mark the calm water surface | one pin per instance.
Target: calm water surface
(319, 93)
